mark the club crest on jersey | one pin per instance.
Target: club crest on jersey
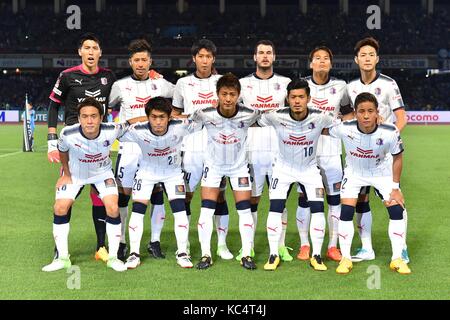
(276, 86)
(154, 87)
(333, 90)
(243, 182)
(311, 126)
(378, 91)
(241, 124)
(379, 142)
(104, 81)
(106, 143)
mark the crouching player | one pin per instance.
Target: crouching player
(160, 142)
(84, 152)
(298, 129)
(367, 147)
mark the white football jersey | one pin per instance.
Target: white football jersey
(227, 137)
(89, 158)
(263, 94)
(385, 90)
(132, 95)
(328, 98)
(297, 140)
(160, 154)
(367, 154)
(193, 93)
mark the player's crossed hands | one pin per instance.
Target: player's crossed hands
(396, 197)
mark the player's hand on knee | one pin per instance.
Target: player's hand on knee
(62, 181)
(396, 197)
(53, 152)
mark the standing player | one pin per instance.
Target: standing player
(226, 156)
(367, 146)
(84, 152)
(193, 92)
(392, 110)
(298, 129)
(264, 90)
(328, 95)
(71, 88)
(131, 94)
(159, 139)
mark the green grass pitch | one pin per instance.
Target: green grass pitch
(26, 243)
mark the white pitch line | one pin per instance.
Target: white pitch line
(17, 152)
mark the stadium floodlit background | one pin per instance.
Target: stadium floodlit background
(36, 44)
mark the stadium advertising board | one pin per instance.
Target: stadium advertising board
(9, 116)
(385, 63)
(156, 63)
(219, 63)
(428, 117)
(278, 63)
(72, 62)
(21, 63)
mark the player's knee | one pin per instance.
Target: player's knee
(178, 205)
(61, 208)
(112, 209)
(123, 200)
(189, 196)
(157, 197)
(395, 212)
(363, 197)
(347, 212)
(57, 219)
(303, 202)
(209, 204)
(254, 200)
(139, 207)
(221, 209)
(243, 206)
(277, 205)
(221, 197)
(333, 200)
(362, 207)
(113, 219)
(316, 206)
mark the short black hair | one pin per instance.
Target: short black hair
(323, 48)
(365, 97)
(299, 83)
(265, 43)
(228, 80)
(90, 102)
(206, 44)
(139, 45)
(160, 104)
(369, 41)
(88, 36)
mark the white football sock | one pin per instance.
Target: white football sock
(113, 233)
(135, 231)
(346, 232)
(303, 217)
(247, 230)
(205, 228)
(365, 229)
(284, 222)
(334, 212)
(61, 236)
(221, 223)
(181, 226)
(158, 217)
(397, 236)
(317, 232)
(274, 226)
(405, 219)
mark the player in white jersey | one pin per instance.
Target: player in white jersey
(328, 95)
(392, 110)
(131, 94)
(263, 90)
(367, 146)
(298, 130)
(160, 141)
(84, 152)
(196, 91)
(226, 156)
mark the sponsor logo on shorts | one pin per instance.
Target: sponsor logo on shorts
(337, 187)
(180, 189)
(243, 182)
(320, 193)
(110, 183)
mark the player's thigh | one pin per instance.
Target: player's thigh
(175, 187)
(351, 186)
(312, 183)
(258, 178)
(68, 192)
(331, 172)
(142, 188)
(192, 168)
(240, 179)
(126, 167)
(383, 187)
(280, 184)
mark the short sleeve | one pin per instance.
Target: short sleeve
(335, 131)
(178, 101)
(115, 97)
(397, 144)
(62, 142)
(60, 89)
